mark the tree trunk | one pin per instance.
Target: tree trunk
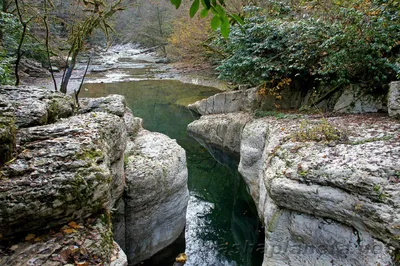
(19, 54)
(46, 24)
(21, 41)
(71, 65)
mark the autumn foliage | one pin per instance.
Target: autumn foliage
(189, 39)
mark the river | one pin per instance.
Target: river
(222, 223)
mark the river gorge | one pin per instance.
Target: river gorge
(222, 225)
(156, 163)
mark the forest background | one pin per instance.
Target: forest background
(271, 44)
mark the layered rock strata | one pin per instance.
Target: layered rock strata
(327, 190)
(64, 180)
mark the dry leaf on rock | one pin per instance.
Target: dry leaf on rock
(14, 247)
(29, 237)
(74, 225)
(69, 231)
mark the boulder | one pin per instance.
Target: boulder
(34, 106)
(222, 130)
(156, 194)
(33, 69)
(63, 171)
(394, 99)
(353, 181)
(228, 102)
(113, 104)
(322, 202)
(162, 61)
(119, 257)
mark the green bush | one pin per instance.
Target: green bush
(358, 43)
(32, 48)
(10, 32)
(6, 77)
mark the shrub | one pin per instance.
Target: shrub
(323, 130)
(357, 43)
(6, 77)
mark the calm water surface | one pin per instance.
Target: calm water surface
(222, 223)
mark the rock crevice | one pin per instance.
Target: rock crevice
(339, 199)
(66, 176)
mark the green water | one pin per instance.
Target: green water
(222, 224)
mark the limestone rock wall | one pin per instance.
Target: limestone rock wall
(63, 179)
(322, 203)
(63, 171)
(350, 100)
(156, 195)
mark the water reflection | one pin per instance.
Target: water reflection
(222, 224)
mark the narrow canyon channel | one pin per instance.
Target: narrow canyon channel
(222, 225)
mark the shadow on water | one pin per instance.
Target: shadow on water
(222, 224)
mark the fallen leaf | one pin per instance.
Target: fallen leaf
(182, 258)
(37, 239)
(85, 263)
(69, 231)
(74, 225)
(14, 247)
(29, 237)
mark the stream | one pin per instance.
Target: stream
(222, 225)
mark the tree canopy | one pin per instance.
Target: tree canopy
(267, 42)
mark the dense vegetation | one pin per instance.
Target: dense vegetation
(319, 42)
(274, 43)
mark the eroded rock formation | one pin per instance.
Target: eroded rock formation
(156, 195)
(325, 198)
(62, 181)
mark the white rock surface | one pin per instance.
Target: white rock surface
(120, 258)
(227, 102)
(344, 195)
(63, 171)
(156, 194)
(222, 130)
(251, 154)
(34, 106)
(73, 169)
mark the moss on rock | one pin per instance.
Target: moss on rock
(7, 139)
